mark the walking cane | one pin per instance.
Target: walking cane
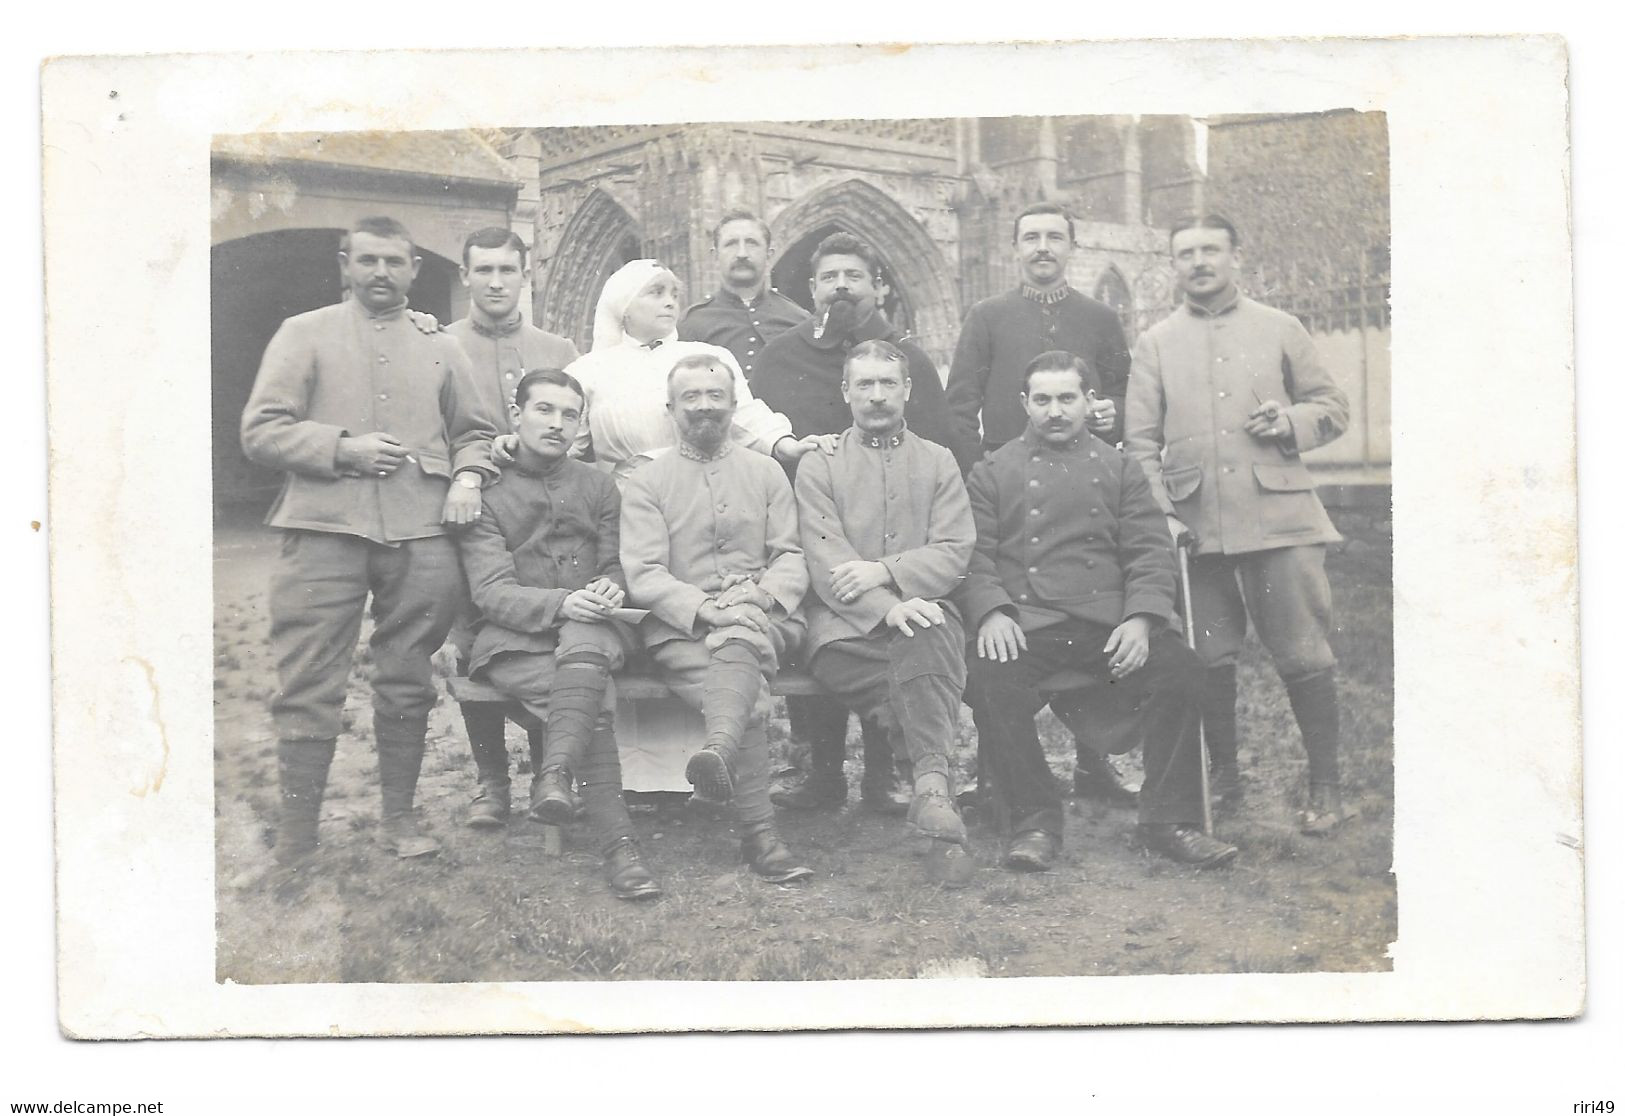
(1183, 546)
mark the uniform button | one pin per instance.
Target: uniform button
(382, 359)
(383, 397)
(1033, 483)
(751, 353)
(1035, 540)
(1033, 512)
(379, 325)
(1093, 455)
(1089, 563)
(747, 368)
(1032, 569)
(1224, 395)
(1229, 468)
(1219, 360)
(1224, 432)
(508, 374)
(1022, 597)
(1094, 480)
(1094, 511)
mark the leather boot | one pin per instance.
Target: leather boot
(628, 876)
(491, 805)
(400, 758)
(770, 859)
(552, 802)
(302, 767)
(933, 812)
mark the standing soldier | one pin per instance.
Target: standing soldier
(371, 419)
(745, 313)
(501, 347)
(1225, 395)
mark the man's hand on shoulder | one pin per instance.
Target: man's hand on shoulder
(504, 450)
(426, 322)
(1001, 638)
(851, 580)
(918, 612)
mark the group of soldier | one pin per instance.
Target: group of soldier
(723, 493)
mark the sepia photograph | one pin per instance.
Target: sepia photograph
(1217, 288)
(804, 545)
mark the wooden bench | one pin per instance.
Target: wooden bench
(632, 687)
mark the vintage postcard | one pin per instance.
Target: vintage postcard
(484, 625)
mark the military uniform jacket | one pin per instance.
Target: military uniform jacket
(743, 328)
(540, 536)
(897, 500)
(1066, 533)
(686, 524)
(1003, 334)
(341, 371)
(800, 377)
(1196, 377)
(501, 359)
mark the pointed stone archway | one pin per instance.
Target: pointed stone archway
(599, 238)
(922, 284)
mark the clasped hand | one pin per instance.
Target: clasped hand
(851, 580)
(592, 604)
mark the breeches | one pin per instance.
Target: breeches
(527, 677)
(1285, 592)
(319, 590)
(915, 682)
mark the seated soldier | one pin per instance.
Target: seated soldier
(709, 545)
(543, 565)
(888, 533)
(1074, 570)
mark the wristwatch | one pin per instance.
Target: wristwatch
(470, 479)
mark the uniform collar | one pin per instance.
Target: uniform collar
(732, 299)
(1083, 442)
(546, 472)
(1045, 298)
(875, 441)
(1224, 307)
(388, 315)
(505, 328)
(693, 454)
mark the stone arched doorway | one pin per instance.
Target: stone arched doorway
(922, 294)
(599, 238)
(1112, 289)
(256, 282)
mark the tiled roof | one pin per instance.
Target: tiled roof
(463, 155)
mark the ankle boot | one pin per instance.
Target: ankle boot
(629, 877)
(552, 802)
(302, 767)
(769, 858)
